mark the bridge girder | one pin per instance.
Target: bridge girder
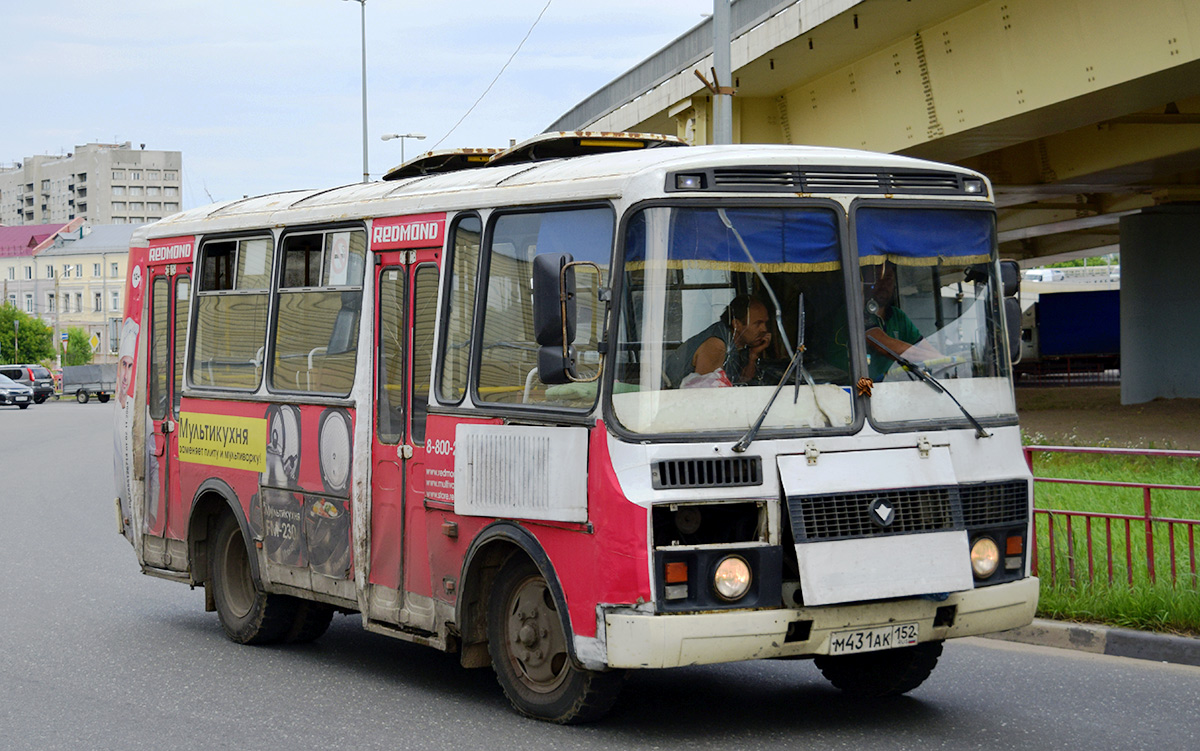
(1080, 111)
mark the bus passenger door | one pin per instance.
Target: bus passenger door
(406, 296)
(170, 291)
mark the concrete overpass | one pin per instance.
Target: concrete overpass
(1085, 114)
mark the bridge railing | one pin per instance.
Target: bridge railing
(1079, 546)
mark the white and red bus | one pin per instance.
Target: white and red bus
(593, 404)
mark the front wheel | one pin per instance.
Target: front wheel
(530, 655)
(23, 406)
(248, 615)
(876, 674)
(81, 396)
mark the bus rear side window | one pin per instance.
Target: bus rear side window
(320, 297)
(231, 313)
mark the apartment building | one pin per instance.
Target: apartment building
(104, 183)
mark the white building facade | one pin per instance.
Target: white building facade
(102, 183)
(79, 282)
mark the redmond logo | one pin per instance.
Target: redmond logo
(418, 231)
(882, 512)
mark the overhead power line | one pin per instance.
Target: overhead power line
(497, 78)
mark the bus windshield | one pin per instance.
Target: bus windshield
(753, 296)
(931, 307)
(724, 297)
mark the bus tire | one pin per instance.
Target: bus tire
(530, 654)
(877, 674)
(310, 621)
(248, 615)
(81, 396)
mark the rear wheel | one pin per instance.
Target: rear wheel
(530, 655)
(39, 399)
(310, 621)
(103, 398)
(248, 615)
(875, 674)
(81, 396)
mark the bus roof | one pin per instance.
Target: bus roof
(596, 176)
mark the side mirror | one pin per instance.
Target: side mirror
(1010, 276)
(554, 316)
(1012, 321)
(977, 273)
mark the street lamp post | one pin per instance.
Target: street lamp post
(402, 136)
(722, 102)
(366, 172)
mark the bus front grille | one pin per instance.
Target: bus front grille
(990, 503)
(841, 516)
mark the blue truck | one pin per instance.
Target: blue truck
(1071, 332)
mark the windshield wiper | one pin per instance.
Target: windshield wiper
(928, 378)
(796, 363)
(744, 442)
(758, 271)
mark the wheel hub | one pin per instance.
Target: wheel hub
(536, 642)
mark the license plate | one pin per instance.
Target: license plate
(873, 639)
(20, 399)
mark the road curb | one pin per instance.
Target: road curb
(1118, 642)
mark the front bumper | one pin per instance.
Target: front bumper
(14, 398)
(636, 640)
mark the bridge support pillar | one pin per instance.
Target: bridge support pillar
(1160, 304)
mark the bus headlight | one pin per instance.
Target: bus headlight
(731, 579)
(985, 557)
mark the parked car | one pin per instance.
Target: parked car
(12, 392)
(35, 377)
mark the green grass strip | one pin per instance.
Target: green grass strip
(1079, 589)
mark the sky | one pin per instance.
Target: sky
(266, 95)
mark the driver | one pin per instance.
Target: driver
(732, 345)
(889, 329)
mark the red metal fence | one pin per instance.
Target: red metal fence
(1139, 540)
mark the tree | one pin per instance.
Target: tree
(1113, 259)
(34, 339)
(79, 349)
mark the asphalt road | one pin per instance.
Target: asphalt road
(97, 656)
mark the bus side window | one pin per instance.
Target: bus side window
(159, 331)
(424, 321)
(231, 313)
(390, 403)
(183, 288)
(320, 298)
(509, 351)
(460, 313)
